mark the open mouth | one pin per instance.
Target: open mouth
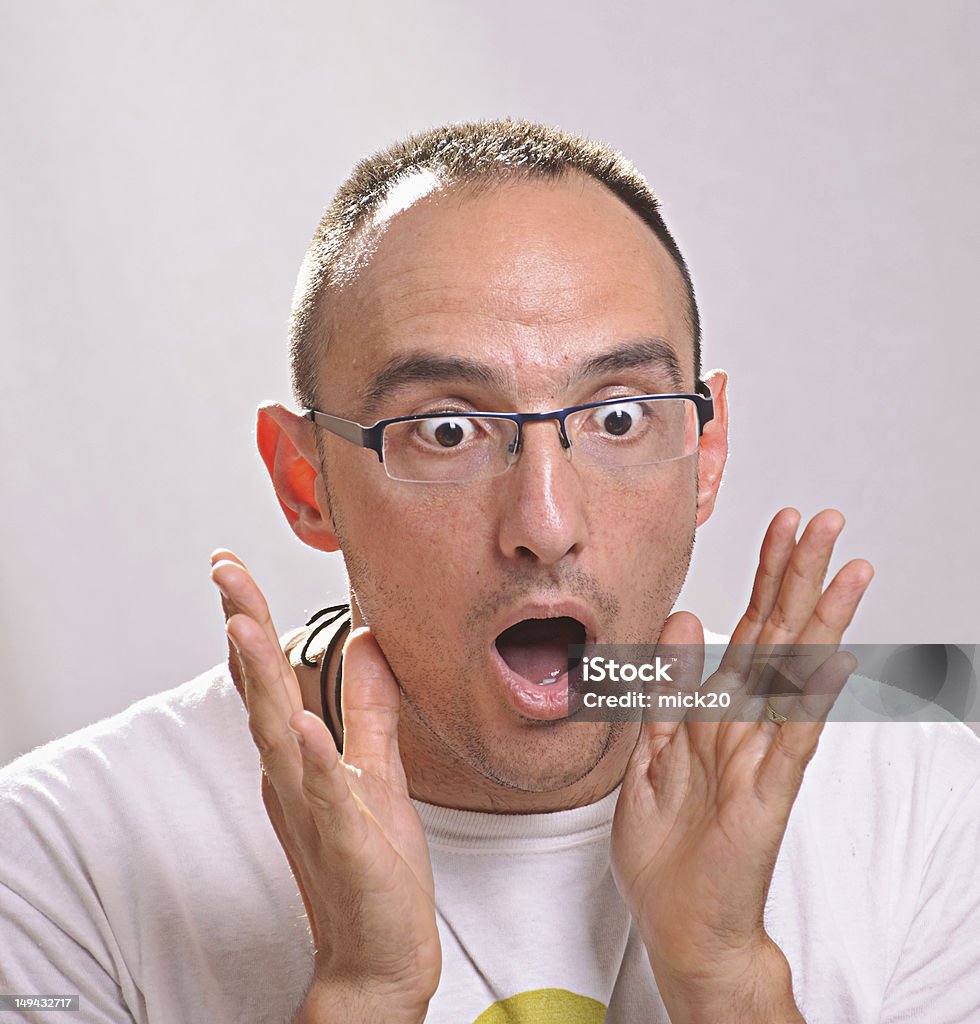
(537, 649)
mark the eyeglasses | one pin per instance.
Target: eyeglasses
(455, 448)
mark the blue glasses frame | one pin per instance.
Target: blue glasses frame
(372, 436)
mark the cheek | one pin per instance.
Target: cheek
(413, 568)
(409, 545)
(641, 542)
(651, 506)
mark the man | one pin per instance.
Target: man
(471, 852)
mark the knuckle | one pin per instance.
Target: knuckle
(798, 758)
(780, 619)
(266, 745)
(312, 790)
(820, 614)
(770, 572)
(320, 801)
(803, 576)
(754, 614)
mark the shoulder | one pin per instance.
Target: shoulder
(134, 803)
(880, 805)
(889, 795)
(904, 756)
(866, 755)
(140, 836)
(208, 698)
(156, 743)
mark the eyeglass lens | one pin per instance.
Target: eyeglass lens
(456, 448)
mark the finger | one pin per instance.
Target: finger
(798, 596)
(681, 628)
(325, 777)
(778, 546)
(682, 644)
(225, 555)
(271, 696)
(271, 688)
(228, 609)
(243, 599)
(838, 603)
(242, 593)
(722, 694)
(320, 824)
(802, 582)
(794, 743)
(370, 701)
(822, 689)
(822, 634)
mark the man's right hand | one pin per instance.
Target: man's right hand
(353, 840)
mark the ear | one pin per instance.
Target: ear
(288, 449)
(713, 451)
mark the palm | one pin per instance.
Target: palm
(704, 804)
(351, 835)
(388, 844)
(693, 797)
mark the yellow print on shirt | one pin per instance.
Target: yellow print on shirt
(544, 1006)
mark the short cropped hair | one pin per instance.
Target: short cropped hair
(474, 153)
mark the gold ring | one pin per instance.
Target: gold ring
(773, 715)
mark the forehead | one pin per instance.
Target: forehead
(529, 276)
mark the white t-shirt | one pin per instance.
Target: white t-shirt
(139, 870)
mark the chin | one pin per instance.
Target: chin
(549, 757)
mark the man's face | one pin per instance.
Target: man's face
(533, 281)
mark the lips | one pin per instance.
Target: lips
(529, 653)
(537, 648)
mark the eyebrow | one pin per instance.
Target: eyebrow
(427, 368)
(431, 367)
(655, 352)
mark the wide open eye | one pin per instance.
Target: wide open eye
(448, 432)
(619, 420)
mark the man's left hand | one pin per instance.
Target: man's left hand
(704, 804)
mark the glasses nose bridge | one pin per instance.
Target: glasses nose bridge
(558, 415)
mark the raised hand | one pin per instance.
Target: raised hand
(704, 804)
(352, 837)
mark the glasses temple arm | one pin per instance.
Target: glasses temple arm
(705, 403)
(364, 437)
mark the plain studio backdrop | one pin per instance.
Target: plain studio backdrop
(163, 166)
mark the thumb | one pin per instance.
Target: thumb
(370, 702)
(681, 628)
(681, 644)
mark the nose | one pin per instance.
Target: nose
(543, 515)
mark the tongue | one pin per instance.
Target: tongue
(537, 649)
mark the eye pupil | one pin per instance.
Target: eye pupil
(449, 434)
(617, 422)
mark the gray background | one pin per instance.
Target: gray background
(163, 166)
